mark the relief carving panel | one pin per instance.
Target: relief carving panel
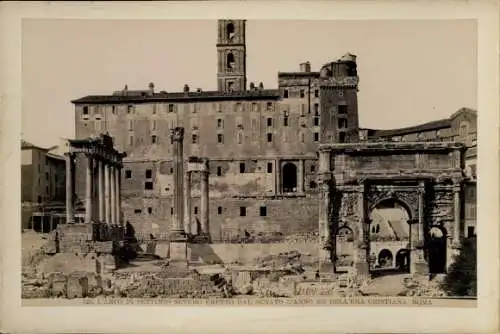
(441, 208)
(349, 207)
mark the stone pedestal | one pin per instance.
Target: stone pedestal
(418, 265)
(325, 265)
(178, 251)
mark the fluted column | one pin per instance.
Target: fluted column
(204, 200)
(88, 189)
(177, 136)
(101, 198)
(118, 199)
(112, 187)
(69, 188)
(187, 202)
(107, 193)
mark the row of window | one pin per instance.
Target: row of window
(242, 166)
(238, 107)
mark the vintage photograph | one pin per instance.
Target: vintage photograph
(228, 159)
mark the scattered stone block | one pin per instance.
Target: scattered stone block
(57, 284)
(77, 286)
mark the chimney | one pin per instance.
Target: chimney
(186, 88)
(305, 67)
(252, 86)
(151, 88)
(261, 85)
(125, 90)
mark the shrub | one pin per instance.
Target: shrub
(461, 279)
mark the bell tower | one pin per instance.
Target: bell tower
(231, 56)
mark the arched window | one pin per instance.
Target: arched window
(230, 60)
(230, 30)
(289, 178)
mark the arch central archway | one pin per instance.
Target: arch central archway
(289, 180)
(436, 250)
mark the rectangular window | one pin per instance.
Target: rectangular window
(220, 123)
(149, 173)
(137, 211)
(130, 109)
(242, 167)
(85, 110)
(269, 167)
(470, 231)
(130, 125)
(269, 137)
(255, 107)
(316, 121)
(342, 123)
(171, 211)
(316, 136)
(269, 121)
(302, 94)
(285, 93)
(154, 109)
(342, 109)
(219, 210)
(302, 109)
(243, 211)
(170, 108)
(154, 139)
(153, 125)
(240, 138)
(316, 93)
(148, 185)
(285, 121)
(316, 109)
(220, 138)
(342, 137)
(313, 168)
(128, 174)
(254, 123)
(269, 106)
(131, 140)
(150, 210)
(194, 139)
(263, 211)
(238, 107)
(195, 210)
(219, 171)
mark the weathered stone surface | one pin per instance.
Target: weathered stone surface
(57, 284)
(77, 286)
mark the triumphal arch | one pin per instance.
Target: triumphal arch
(358, 181)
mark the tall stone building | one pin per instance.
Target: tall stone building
(262, 145)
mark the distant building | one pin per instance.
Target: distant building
(42, 187)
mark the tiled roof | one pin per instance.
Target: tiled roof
(181, 96)
(429, 126)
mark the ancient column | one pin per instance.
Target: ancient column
(187, 202)
(118, 205)
(107, 193)
(178, 240)
(361, 244)
(88, 189)
(204, 200)
(457, 235)
(300, 183)
(418, 264)
(69, 188)
(113, 194)
(101, 198)
(325, 182)
(178, 219)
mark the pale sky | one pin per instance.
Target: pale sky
(410, 71)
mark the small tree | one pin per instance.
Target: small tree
(461, 279)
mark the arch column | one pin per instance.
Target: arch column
(418, 265)
(457, 233)
(112, 189)
(107, 193)
(361, 250)
(101, 198)
(118, 199)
